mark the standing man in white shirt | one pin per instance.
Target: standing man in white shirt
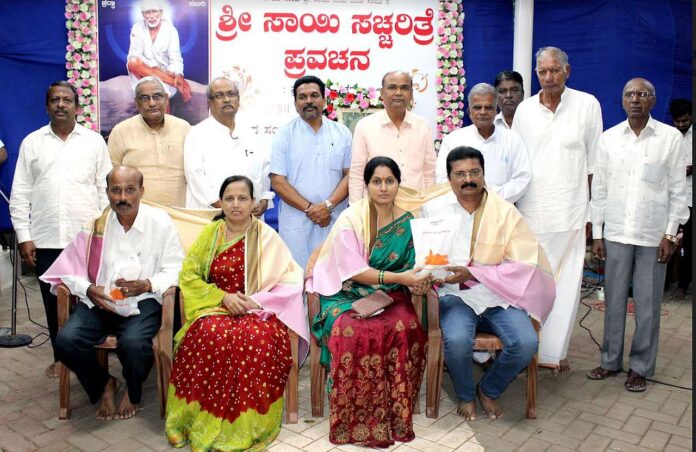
(215, 150)
(59, 184)
(507, 164)
(639, 197)
(133, 248)
(682, 117)
(509, 89)
(560, 127)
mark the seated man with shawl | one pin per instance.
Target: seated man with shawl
(376, 363)
(506, 281)
(242, 292)
(132, 254)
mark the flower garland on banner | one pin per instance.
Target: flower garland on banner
(81, 58)
(449, 76)
(351, 97)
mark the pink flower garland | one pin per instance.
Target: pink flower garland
(449, 75)
(81, 57)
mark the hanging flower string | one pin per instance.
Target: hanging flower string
(449, 76)
(81, 58)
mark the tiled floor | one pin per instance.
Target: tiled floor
(573, 412)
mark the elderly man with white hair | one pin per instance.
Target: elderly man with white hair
(154, 50)
(153, 142)
(216, 149)
(507, 164)
(560, 127)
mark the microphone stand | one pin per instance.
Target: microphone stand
(13, 339)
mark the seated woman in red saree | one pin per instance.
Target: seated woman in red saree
(242, 291)
(375, 364)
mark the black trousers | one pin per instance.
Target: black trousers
(44, 259)
(89, 327)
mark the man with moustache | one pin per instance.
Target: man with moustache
(131, 247)
(309, 170)
(509, 89)
(507, 165)
(58, 185)
(397, 133)
(560, 127)
(214, 150)
(505, 279)
(638, 202)
(153, 142)
(154, 50)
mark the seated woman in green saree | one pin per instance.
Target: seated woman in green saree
(242, 291)
(375, 364)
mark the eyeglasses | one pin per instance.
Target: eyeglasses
(230, 94)
(145, 98)
(474, 173)
(640, 94)
(506, 91)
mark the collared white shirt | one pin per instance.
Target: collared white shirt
(561, 149)
(686, 143)
(639, 188)
(506, 163)
(164, 52)
(152, 241)
(479, 297)
(212, 153)
(499, 121)
(58, 185)
(411, 146)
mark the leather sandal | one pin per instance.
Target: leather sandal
(599, 373)
(635, 382)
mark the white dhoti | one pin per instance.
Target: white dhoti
(566, 254)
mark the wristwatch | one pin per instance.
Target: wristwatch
(672, 238)
(329, 206)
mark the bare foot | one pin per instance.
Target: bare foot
(563, 367)
(107, 406)
(52, 371)
(679, 294)
(467, 410)
(490, 408)
(126, 409)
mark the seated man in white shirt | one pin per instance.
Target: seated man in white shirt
(215, 150)
(508, 170)
(133, 249)
(507, 279)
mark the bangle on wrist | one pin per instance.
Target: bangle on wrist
(308, 206)
(380, 278)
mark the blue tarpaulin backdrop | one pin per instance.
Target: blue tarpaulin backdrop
(608, 41)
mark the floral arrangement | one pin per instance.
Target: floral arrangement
(449, 75)
(351, 97)
(81, 58)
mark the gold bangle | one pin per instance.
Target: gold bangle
(380, 277)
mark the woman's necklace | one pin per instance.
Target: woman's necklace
(230, 234)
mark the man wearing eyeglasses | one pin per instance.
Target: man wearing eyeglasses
(214, 150)
(507, 164)
(560, 127)
(639, 197)
(494, 289)
(510, 93)
(153, 142)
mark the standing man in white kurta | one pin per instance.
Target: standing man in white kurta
(214, 150)
(639, 196)
(507, 164)
(561, 128)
